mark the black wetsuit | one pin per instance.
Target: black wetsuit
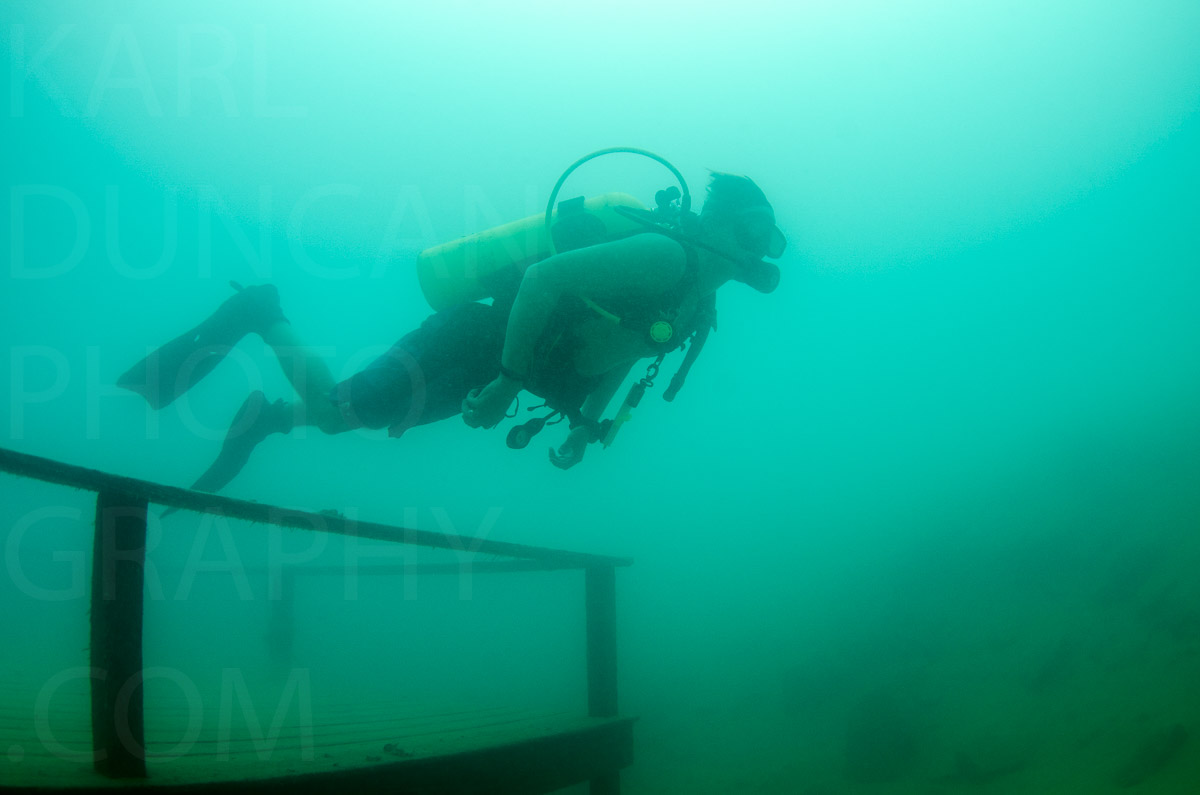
(426, 376)
(428, 373)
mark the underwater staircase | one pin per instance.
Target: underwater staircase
(351, 748)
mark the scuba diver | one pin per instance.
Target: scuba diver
(567, 328)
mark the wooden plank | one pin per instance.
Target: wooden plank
(118, 566)
(51, 471)
(418, 569)
(365, 728)
(531, 754)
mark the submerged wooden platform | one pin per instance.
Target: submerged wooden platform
(376, 747)
(113, 735)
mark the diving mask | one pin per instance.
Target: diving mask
(757, 233)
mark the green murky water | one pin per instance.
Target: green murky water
(922, 521)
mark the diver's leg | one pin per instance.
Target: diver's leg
(418, 380)
(258, 418)
(423, 378)
(309, 376)
(177, 366)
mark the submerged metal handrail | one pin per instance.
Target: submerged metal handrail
(52, 471)
(118, 582)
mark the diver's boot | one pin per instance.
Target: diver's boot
(180, 364)
(257, 419)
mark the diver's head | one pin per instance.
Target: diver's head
(739, 220)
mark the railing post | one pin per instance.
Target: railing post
(281, 628)
(118, 576)
(600, 600)
(601, 603)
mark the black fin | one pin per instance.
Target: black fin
(256, 420)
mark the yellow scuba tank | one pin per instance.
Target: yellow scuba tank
(471, 268)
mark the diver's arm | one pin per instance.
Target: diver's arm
(639, 265)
